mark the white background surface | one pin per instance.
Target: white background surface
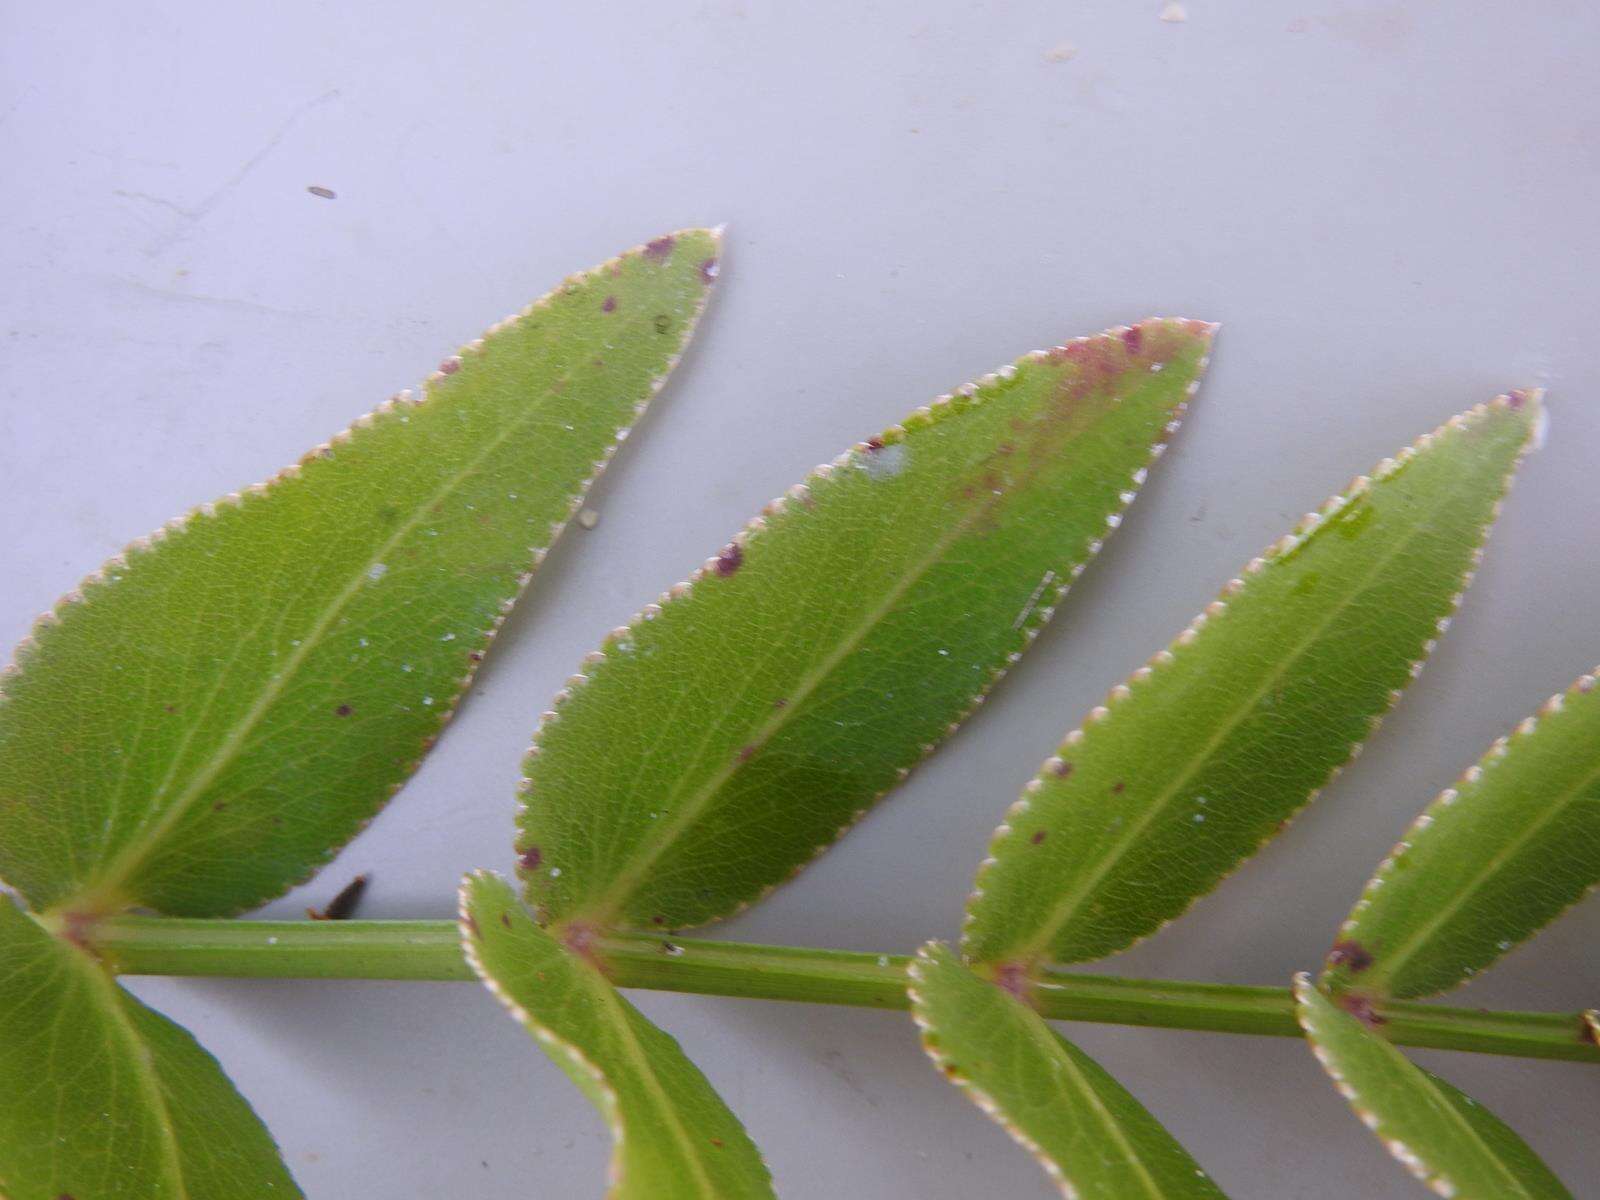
(1391, 207)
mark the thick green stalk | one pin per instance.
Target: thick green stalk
(430, 950)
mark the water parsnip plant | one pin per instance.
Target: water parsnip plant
(208, 719)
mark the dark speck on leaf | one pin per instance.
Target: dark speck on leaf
(475, 655)
(717, 1142)
(662, 322)
(660, 249)
(708, 270)
(609, 305)
(505, 919)
(449, 366)
(745, 753)
(472, 924)
(344, 710)
(731, 559)
(1062, 770)
(658, 919)
(1118, 787)
(531, 858)
(1133, 339)
(323, 193)
(171, 708)
(1349, 953)
(874, 445)
(1038, 837)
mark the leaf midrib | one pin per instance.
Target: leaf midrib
(1391, 964)
(1067, 907)
(604, 909)
(110, 1000)
(1440, 1101)
(109, 882)
(1052, 1043)
(650, 851)
(645, 1071)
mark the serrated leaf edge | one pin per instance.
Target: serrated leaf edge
(1497, 750)
(929, 1037)
(1278, 549)
(608, 1103)
(1436, 1181)
(947, 405)
(106, 574)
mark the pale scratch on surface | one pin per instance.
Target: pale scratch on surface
(1033, 600)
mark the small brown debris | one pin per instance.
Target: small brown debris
(323, 193)
(343, 906)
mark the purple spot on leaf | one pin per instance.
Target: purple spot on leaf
(731, 559)
(1349, 953)
(660, 249)
(1361, 1009)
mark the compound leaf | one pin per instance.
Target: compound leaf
(220, 709)
(1094, 1139)
(1440, 1134)
(674, 1137)
(1204, 754)
(739, 725)
(105, 1099)
(1491, 861)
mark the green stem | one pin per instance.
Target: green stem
(431, 950)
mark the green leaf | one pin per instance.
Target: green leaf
(1094, 1139)
(1205, 753)
(675, 1139)
(105, 1099)
(1491, 861)
(1440, 1134)
(220, 709)
(743, 722)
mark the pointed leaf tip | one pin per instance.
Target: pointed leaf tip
(1208, 750)
(229, 702)
(700, 760)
